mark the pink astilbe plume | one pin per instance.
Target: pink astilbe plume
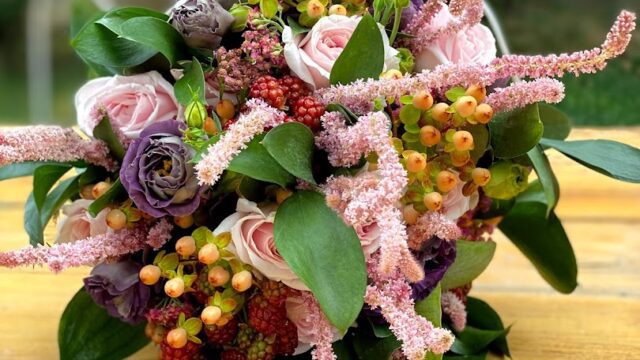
(89, 251)
(454, 309)
(253, 122)
(423, 18)
(431, 224)
(322, 331)
(51, 143)
(159, 233)
(392, 295)
(523, 93)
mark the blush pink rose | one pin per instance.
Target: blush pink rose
(455, 204)
(369, 237)
(311, 56)
(298, 313)
(252, 241)
(133, 102)
(475, 45)
(77, 224)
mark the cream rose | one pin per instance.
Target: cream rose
(77, 224)
(475, 45)
(455, 204)
(133, 102)
(311, 56)
(298, 313)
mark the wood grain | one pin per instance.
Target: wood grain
(600, 320)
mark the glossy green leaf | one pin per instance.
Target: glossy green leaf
(191, 82)
(431, 309)
(27, 168)
(255, 162)
(542, 239)
(104, 132)
(115, 192)
(295, 26)
(472, 258)
(87, 332)
(547, 178)
(349, 116)
(515, 132)
(307, 233)
(482, 316)
(455, 93)
(363, 57)
(372, 348)
(114, 19)
(380, 330)
(157, 34)
(556, 123)
(472, 340)
(616, 160)
(291, 145)
(44, 178)
(32, 224)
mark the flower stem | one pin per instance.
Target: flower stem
(396, 24)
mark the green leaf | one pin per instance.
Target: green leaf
(191, 81)
(515, 132)
(542, 239)
(546, 176)
(269, 8)
(431, 309)
(87, 332)
(255, 162)
(616, 160)
(556, 123)
(455, 93)
(307, 234)
(471, 340)
(451, 356)
(371, 348)
(379, 330)
(480, 140)
(409, 114)
(291, 145)
(350, 117)
(363, 57)
(104, 132)
(28, 168)
(114, 19)
(296, 28)
(156, 34)
(115, 192)
(44, 178)
(472, 257)
(32, 224)
(482, 316)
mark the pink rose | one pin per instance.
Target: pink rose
(133, 102)
(369, 237)
(474, 45)
(455, 204)
(311, 56)
(298, 313)
(77, 224)
(253, 243)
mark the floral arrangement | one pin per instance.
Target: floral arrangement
(308, 179)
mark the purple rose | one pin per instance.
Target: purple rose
(116, 288)
(157, 174)
(438, 256)
(202, 22)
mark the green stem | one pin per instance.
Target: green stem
(386, 16)
(396, 25)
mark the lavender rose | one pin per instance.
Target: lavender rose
(157, 174)
(116, 288)
(201, 22)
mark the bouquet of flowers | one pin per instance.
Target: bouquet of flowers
(313, 179)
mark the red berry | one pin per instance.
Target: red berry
(294, 88)
(308, 110)
(188, 352)
(264, 316)
(168, 316)
(268, 89)
(276, 292)
(222, 335)
(233, 354)
(287, 339)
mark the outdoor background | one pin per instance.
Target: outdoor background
(39, 72)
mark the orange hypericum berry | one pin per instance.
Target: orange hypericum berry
(481, 176)
(99, 189)
(462, 140)
(158, 334)
(465, 105)
(460, 158)
(410, 215)
(210, 126)
(483, 113)
(337, 9)
(149, 329)
(440, 113)
(416, 162)
(177, 338)
(241, 281)
(225, 109)
(186, 246)
(184, 222)
(174, 287)
(392, 74)
(116, 219)
(149, 274)
(218, 276)
(315, 9)
(87, 192)
(446, 181)
(422, 100)
(210, 315)
(429, 135)
(477, 91)
(208, 254)
(433, 201)
(282, 195)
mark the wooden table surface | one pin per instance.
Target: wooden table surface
(600, 320)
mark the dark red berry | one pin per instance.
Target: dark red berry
(294, 88)
(287, 339)
(268, 89)
(233, 354)
(167, 316)
(265, 316)
(222, 335)
(308, 110)
(188, 352)
(276, 292)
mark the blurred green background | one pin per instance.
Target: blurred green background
(39, 72)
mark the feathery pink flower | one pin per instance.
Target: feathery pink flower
(159, 234)
(523, 93)
(423, 18)
(454, 309)
(430, 224)
(219, 155)
(51, 143)
(392, 295)
(322, 332)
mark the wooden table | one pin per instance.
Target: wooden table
(600, 320)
